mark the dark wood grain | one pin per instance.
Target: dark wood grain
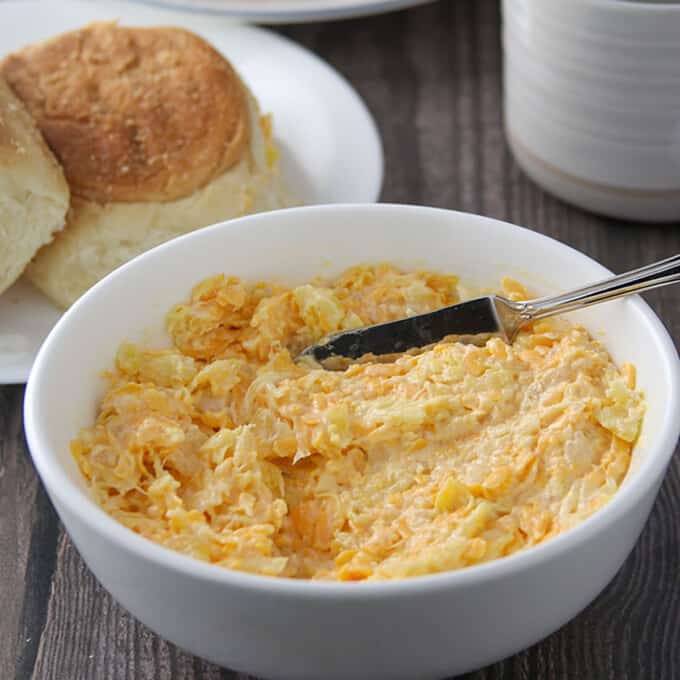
(432, 78)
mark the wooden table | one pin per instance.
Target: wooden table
(432, 78)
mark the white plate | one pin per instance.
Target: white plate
(331, 151)
(288, 11)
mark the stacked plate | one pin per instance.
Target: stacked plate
(592, 102)
(288, 11)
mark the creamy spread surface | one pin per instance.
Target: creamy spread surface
(225, 449)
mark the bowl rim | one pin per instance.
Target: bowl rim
(637, 6)
(76, 500)
(634, 6)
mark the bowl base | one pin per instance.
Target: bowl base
(611, 201)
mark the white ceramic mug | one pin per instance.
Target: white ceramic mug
(592, 102)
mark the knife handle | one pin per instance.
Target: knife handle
(651, 276)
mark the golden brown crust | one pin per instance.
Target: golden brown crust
(18, 131)
(133, 114)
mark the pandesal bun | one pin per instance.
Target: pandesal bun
(158, 136)
(34, 195)
(133, 114)
(100, 237)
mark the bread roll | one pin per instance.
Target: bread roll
(157, 135)
(34, 195)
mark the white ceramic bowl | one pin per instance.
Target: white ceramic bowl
(427, 627)
(592, 102)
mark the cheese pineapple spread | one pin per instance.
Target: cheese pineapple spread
(225, 449)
